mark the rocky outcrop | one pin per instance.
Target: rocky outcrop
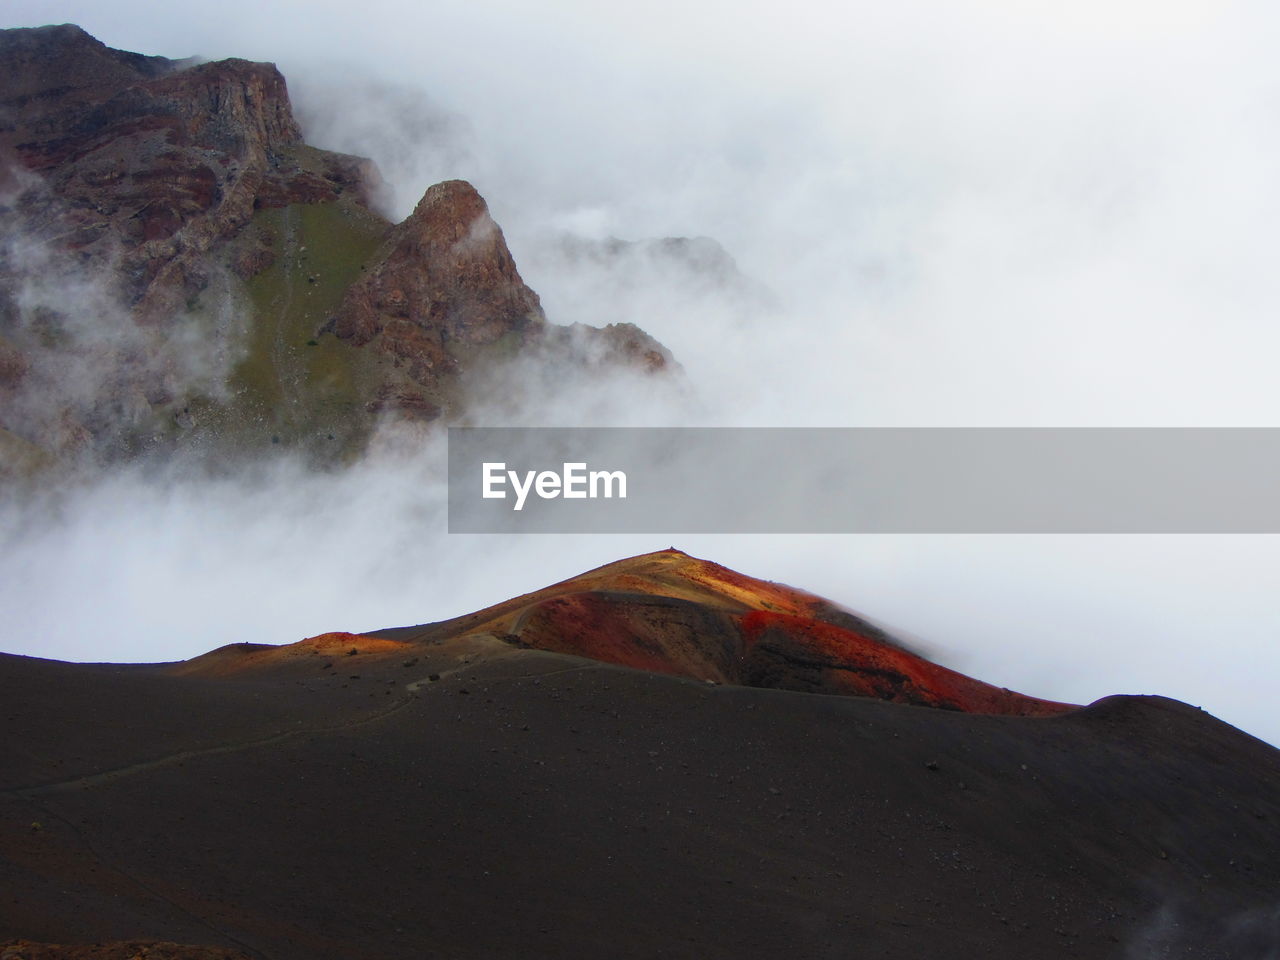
(168, 234)
(443, 280)
(444, 287)
(153, 160)
(46, 68)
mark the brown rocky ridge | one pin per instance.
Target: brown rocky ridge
(444, 277)
(500, 785)
(257, 295)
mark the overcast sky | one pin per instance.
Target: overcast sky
(976, 213)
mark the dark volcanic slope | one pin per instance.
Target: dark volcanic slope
(465, 797)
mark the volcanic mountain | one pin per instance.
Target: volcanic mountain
(675, 614)
(554, 776)
(181, 270)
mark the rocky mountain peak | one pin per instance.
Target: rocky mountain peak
(447, 213)
(183, 195)
(66, 99)
(151, 159)
(51, 63)
(445, 276)
(235, 106)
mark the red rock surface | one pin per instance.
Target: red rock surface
(797, 653)
(672, 613)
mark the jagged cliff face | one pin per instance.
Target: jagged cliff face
(173, 246)
(154, 158)
(443, 282)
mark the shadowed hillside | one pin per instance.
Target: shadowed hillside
(463, 790)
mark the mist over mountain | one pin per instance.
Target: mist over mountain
(948, 233)
(182, 272)
(236, 311)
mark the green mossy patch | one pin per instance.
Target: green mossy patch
(21, 459)
(293, 382)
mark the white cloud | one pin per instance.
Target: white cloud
(984, 213)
